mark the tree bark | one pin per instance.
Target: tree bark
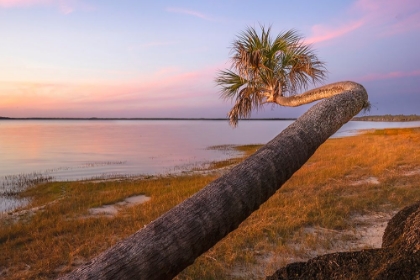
(172, 242)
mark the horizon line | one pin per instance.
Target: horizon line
(151, 119)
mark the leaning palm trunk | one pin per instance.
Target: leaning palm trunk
(314, 94)
(169, 244)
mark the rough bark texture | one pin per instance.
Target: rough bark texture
(399, 257)
(172, 242)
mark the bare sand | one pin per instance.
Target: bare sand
(112, 209)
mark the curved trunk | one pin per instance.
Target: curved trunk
(172, 242)
(315, 94)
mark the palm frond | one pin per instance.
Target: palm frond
(241, 109)
(231, 83)
(262, 66)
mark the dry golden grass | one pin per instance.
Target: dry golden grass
(326, 192)
(63, 232)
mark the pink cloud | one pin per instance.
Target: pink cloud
(64, 6)
(391, 16)
(23, 3)
(166, 88)
(390, 75)
(189, 12)
(324, 33)
(170, 85)
(385, 17)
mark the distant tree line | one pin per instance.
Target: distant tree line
(388, 118)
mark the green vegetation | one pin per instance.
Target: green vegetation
(57, 233)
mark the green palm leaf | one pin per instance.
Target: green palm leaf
(263, 67)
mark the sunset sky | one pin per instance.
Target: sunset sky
(126, 58)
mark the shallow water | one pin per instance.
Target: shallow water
(82, 149)
(73, 150)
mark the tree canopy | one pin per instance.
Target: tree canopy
(264, 68)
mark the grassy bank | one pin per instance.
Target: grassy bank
(375, 172)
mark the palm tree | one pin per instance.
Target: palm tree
(264, 71)
(172, 242)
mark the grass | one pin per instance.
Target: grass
(325, 193)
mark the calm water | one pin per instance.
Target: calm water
(82, 149)
(71, 150)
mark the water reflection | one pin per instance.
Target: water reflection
(10, 203)
(74, 149)
(80, 149)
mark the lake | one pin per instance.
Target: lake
(83, 149)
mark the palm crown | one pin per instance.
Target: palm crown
(263, 69)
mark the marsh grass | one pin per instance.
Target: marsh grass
(61, 235)
(12, 185)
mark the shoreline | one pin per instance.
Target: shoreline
(388, 118)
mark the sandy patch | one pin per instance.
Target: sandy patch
(311, 242)
(133, 200)
(110, 210)
(412, 172)
(113, 209)
(369, 180)
(15, 216)
(369, 230)
(367, 233)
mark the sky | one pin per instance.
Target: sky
(128, 59)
